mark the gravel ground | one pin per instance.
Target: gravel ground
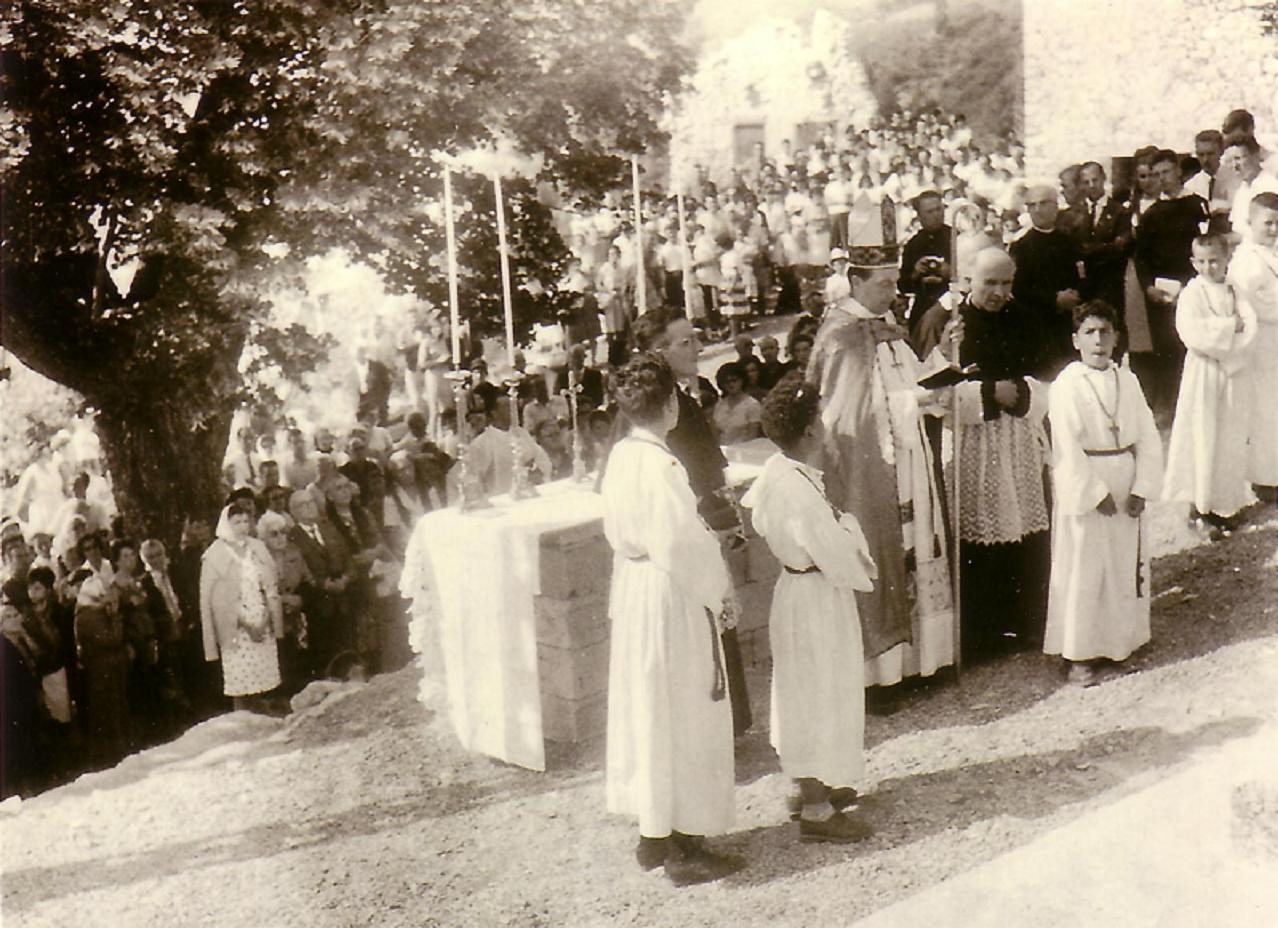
(362, 810)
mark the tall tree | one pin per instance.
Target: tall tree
(214, 144)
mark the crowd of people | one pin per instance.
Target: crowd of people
(1053, 328)
(757, 241)
(1011, 335)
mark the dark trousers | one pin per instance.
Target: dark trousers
(734, 670)
(1004, 594)
(789, 300)
(674, 289)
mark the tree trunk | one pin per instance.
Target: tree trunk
(162, 468)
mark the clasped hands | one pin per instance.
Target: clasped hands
(1133, 507)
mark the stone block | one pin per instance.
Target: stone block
(573, 720)
(573, 673)
(575, 561)
(572, 623)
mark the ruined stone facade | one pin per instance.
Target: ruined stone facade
(766, 83)
(1104, 77)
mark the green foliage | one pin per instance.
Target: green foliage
(33, 410)
(538, 257)
(217, 144)
(970, 65)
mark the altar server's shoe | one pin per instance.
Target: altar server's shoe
(839, 828)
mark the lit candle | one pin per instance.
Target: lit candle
(641, 292)
(454, 313)
(685, 257)
(507, 305)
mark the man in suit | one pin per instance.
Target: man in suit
(330, 627)
(1209, 183)
(693, 443)
(925, 280)
(167, 618)
(1107, 233)
(590, 380)
(1047, 283)
(1073, 218)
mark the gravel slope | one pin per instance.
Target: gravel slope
(362, 810)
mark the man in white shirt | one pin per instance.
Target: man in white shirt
(837, 285)
(491, 455)
(838, 197)
(1244, 161)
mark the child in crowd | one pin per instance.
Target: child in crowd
(1107, 460)
(1207, 457)
(818, 686)
(1253, 273)
(669, 753)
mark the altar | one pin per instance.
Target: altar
(515, 596)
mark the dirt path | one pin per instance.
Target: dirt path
(363, 812)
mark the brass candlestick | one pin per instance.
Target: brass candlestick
(520, 486)
(470, 490)
(578, 460)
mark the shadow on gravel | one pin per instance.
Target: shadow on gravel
(26, 888)
(907, 810)
(1206, 598)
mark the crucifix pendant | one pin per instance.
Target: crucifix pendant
(1114, 428)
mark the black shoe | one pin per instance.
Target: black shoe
(689, 866)
(651, 852)
(841, 797)
(837, 829)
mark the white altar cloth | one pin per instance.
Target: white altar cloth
(478, 572)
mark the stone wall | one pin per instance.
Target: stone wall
(778, 74)
(573, 630)
(1104, 77)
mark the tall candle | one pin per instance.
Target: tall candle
(507, 305)
(685, 257)
(641, 290)
(454, 313)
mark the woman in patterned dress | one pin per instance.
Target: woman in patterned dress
(240, 609)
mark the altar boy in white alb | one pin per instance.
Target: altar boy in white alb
(818, 682)
(1107, 461)
(1207, 456)
(670, 760)
(1253, 273)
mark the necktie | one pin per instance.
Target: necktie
(170, 597)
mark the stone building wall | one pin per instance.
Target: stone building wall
(778, 74)
(1104, 77)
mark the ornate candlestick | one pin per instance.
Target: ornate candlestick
(470, 491)
(520, 486)
(571, 394)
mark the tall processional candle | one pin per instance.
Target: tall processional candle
(454, 313)
(685, 257)
(641, 290)
(507, 304)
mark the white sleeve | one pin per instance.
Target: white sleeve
(836, 545)
(680, 543)
(1078, 489)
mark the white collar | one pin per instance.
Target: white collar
(856, 310)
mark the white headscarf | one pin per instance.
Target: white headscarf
(224, 530)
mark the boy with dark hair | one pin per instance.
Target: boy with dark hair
(1107, 460)
(669, 754)
(818, 680)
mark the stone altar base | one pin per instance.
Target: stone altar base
(573, 629)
